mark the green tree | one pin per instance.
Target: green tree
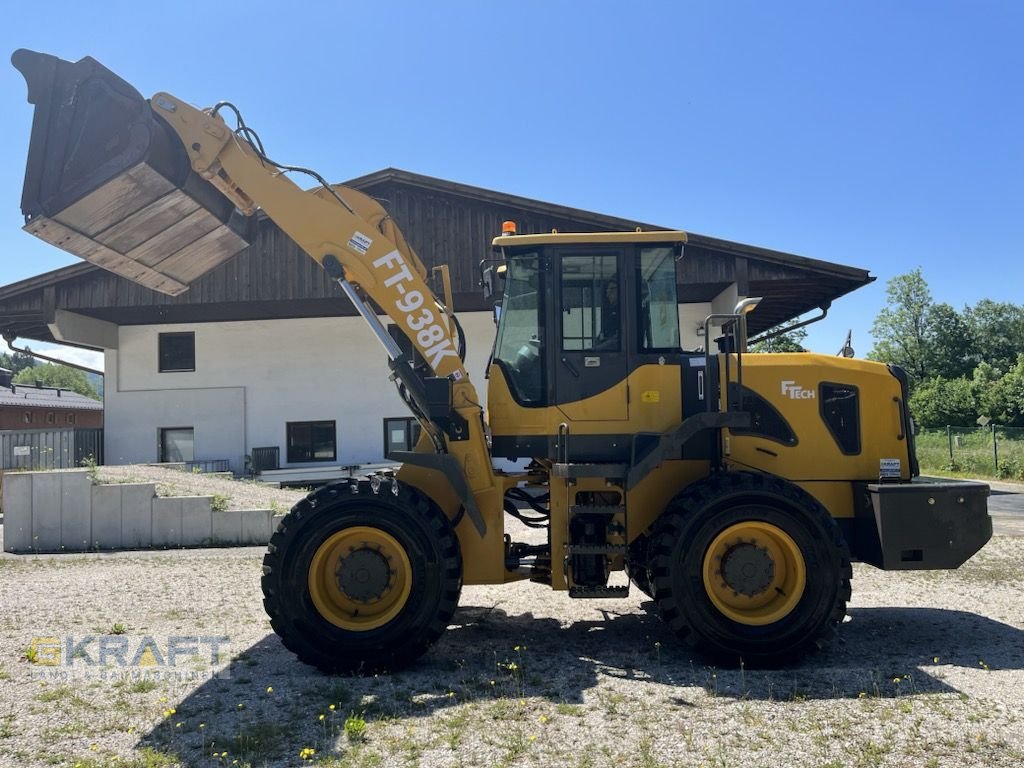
(53, 375)
(929, 340)
(1001, 398)
(997, 331)
(900, 329)
(948, 350)
(789, 341)
(16, 362)
(939, 402)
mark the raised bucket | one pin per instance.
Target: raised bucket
(110, 182)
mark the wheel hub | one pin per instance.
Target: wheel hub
(754, 572)
(748, 569)
(364, 575)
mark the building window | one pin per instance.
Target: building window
(400, 434)
(27, 417)
(311, 441)
(70, 418)
(177, 444)
(177, 352)
(51, 418)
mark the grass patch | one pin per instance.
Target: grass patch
(145, 685)
(969, 453)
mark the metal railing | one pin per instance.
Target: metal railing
(989, 450)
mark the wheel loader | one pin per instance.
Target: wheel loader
(732, 489)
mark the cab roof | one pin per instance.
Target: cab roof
(592, 238)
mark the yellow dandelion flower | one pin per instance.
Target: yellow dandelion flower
(332, 707)
(270, 689)
(322, 718)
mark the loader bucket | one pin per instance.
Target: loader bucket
(110, 182)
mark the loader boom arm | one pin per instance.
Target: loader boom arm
(352, 237)
(358, 236)
(151, 189)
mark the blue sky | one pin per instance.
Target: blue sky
(880, 135)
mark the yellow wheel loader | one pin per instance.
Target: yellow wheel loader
(733, 489)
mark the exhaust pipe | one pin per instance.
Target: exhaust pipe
(109, 181)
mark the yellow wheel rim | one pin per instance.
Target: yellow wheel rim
(754, 573)
(360, 578)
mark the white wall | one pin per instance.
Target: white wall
(691, 324)
(253, 377)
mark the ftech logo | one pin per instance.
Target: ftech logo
(794, 391)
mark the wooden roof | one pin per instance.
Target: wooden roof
(447, 223)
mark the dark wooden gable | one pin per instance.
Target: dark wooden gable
(447, 223)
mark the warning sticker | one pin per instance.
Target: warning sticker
(889, 468)
(360, 243)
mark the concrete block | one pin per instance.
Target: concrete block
(167, 522)
(196, 521)
(256, 526)
(137, 514)
(17, 511)
(75, 510)
(106, 517)
(275, 521)
(227, 527)
(46, 499)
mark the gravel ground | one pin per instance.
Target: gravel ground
(243, 494)
(927, 672)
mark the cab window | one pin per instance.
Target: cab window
(656, 297)
(591, 301)
(518, 349)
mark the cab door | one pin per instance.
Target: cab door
(590, 363)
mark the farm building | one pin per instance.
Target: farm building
(46, 427)
(263, 361)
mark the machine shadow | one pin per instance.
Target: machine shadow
(490, 656)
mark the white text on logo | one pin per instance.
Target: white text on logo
(795, 392)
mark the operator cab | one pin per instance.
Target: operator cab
(583, 318)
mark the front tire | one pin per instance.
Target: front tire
(750, 569)
(362, 576)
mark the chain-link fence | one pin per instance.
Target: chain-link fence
(991, 450)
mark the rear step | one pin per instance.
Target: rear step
(581, 469)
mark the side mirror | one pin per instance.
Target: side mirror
(492, 276)
(487, 281)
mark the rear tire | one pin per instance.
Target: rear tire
(362, 576)
(750, 569)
